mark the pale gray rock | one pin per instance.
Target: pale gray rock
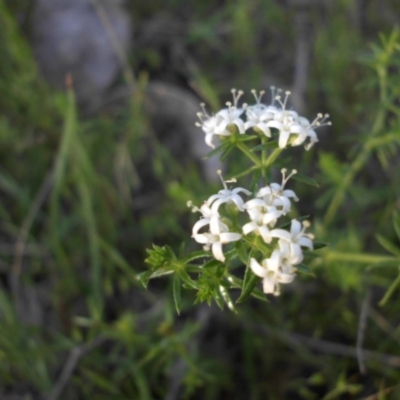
(70, 37)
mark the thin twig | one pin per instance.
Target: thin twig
(378, 396)
(74, 356)
(384, 324)
(324, 346)
(361, 331)
(20, 245)
(304, 43)
(115, 42)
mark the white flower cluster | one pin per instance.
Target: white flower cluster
(271, 202)
(293, 129)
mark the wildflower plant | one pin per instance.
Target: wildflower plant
(247, 233)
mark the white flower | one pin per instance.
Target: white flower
(275, 195)
(261, 215)
(287, 124)
(259, 114)
(210, 126)
(231, 115)
(290, 243)
(273, 270)
(308, 130)
(257, 117)
(219, 234)
(227, 196)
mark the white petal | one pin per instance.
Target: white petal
(286, 278)
(212, 198)
(208, 140)
(271, 218)
(274, 261)
(201, 238)
(304, 241)
(240, 124)
(289, 193)
(255, 203)
(284, 248)
(299, 140)
(198, 225)
(265, 234)
(249, 227)
(257, 268)
(296, 254)
(281, 234)
(283, 139)
(239, 189)
(297, 129)
(217, 203)
(295, 227)
(275, 124)
(269, 285)
(264, 191)
(218, 254)
(227, 237)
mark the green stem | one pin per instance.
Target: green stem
(263, 155)
(272, 157)
(361, 258)
(362, 156)
(390, 291)
(241, 146)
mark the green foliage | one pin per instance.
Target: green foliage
(69, 187)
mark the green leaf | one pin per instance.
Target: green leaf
(227, 298)
(188, 280)
(176, 289)
(160, 256)
(388, 245)
(161, 272)
(396, 224)
(390, 291)
(237, 283)
(212, 264)
(196, 255)
(288, 223)
(249, 282)
(181, 250)
(242, 251)
(305, 179)
(319, 245)
(220, 149)
(219, 300)
(304, 269)
(245, 138)
(266, 146)
(226, 152)
(144, 278)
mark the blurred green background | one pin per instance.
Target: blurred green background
(86, 186)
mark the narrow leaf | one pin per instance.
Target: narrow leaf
(396, 224)
(242, 251)
(176, 288)
(319, 245)
(249, 282)
(388, 245)
(390, 291)
(227, 298)
(144, 278)
(270, 145)
(195, 255)
(305, 179)
(304, 269)
(188, 280)
(212, 264)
